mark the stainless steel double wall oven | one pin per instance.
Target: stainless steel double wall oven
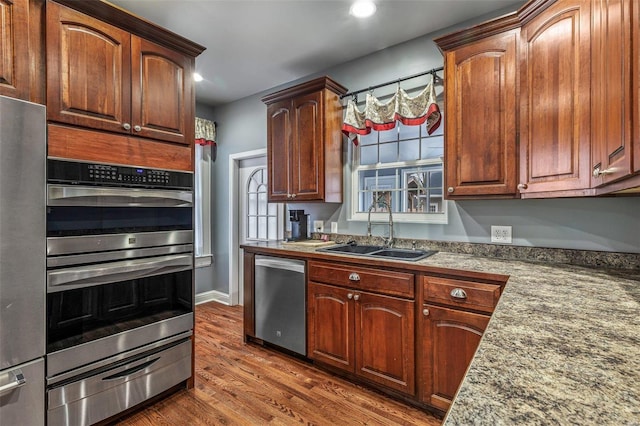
(119, 287)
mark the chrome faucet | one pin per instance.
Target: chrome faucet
(388, 242)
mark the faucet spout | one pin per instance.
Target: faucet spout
(388, 242)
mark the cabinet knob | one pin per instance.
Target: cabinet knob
(354, 277)
(137, 128)
(126, 126)
(293, 195)
(522, 186)
(425, 312)
(288, 195)
(450, 190)
(356, 297)
(458, 293)
(350, 296)
(599, 173)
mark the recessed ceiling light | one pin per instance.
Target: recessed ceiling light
(363, 9)
(197, 77)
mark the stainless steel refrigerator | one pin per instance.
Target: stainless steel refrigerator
(22, 261)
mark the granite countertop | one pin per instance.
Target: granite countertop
(562, 347)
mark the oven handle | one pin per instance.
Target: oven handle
(130, 371)
(91, 275)
(17, 381)
(64, 195)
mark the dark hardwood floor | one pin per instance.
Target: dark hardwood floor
(245, 384)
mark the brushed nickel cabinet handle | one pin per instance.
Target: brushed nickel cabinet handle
(599, 173)
(450, 190)
(356, 297)
(126, 126)
(522, 186)
(425, 312)
(137, 128)
(354, 277)
(458, 293)
(349, 296)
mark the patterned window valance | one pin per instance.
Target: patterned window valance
(377, 115)
(205, 132)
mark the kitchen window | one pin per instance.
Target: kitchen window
(402, 166)
(202, 195)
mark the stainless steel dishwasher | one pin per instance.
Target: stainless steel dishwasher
(280, 302)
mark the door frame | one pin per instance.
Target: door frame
(234, 207)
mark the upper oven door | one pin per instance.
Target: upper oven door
(74, 211)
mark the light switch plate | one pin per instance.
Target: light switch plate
(334, 227)
(318, 226)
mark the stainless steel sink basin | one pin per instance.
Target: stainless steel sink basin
(379, 251)
(352, 249)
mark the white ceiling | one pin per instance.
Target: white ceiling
(255, 45)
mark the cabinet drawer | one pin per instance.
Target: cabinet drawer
(467, 294)
(377, 280)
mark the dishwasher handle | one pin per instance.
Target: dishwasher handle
(280, 263)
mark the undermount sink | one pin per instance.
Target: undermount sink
(379, 251)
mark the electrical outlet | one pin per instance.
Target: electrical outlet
(318, 226)
(334, 227)
(501, 234)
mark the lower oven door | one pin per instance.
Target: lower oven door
(102, 393)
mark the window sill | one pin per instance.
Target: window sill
(204, 261)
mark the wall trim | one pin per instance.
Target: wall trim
(234, 262)
(213, 296)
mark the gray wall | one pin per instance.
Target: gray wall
(608, 224)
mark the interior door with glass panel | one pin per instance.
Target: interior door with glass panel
(260, 220)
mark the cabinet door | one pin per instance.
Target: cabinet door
(14, 61)
(161, 92)
(555, 109)
(88, 71)
(278, 150)
(611, 90)
(449, 341)
(307, 150)
(480, 90)
(330, 325)
(384, 334)
(635, 33)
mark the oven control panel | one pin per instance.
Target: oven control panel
(80, 173)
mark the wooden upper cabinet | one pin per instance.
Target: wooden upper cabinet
(304, 142)
(635, 33)
(161, 91)
(481, 130)
(307, 147)
(21, 50)
(555, 101)
(278, 136)
(102, 77)
(611, 87)
(88, 71)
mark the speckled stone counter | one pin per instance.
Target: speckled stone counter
(562, 347)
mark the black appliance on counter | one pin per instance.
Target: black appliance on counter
(299, 225)
(119, 291)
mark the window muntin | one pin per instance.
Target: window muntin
(262, 216)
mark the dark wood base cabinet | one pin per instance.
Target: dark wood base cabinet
(449, 341)
(386, 325)
(367, 334)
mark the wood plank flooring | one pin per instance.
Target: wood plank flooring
(245, 384)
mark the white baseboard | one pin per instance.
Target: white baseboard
(213, 296)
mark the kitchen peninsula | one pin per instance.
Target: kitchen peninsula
(561, 345)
